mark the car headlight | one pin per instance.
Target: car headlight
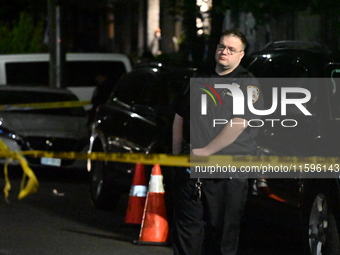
(12, 140)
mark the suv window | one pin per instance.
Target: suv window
(140, 87)
(277, 66)
(77, 73)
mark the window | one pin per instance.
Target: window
(77, 73)
(142, 87)
(277, 66)
(27, 73)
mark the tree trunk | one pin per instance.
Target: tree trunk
(217, 16)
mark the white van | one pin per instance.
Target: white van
(80, 70)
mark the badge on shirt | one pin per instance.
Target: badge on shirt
(255, 93)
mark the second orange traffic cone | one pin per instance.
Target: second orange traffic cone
(137, 197)
(155, 229)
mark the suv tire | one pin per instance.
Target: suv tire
(102, 193)
(319, 230)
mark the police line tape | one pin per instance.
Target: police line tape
(187, 160)
(45, 105)
(29, 182)
(152, 159)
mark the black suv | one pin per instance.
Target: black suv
(137, 118)
(316, 201)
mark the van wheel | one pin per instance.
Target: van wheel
(320, 232)
(102, 193)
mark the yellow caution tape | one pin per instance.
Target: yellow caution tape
(32, 183)
(240, 161)
(293, 163)
(46, 105)
(187, 160)
(7, 187)
(147, 159)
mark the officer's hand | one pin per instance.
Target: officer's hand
(201, 152)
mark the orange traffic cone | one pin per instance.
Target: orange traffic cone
(262, 184)
(154, 229)
(137, 197)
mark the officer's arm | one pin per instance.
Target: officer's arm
(177, 134)
(226, 137)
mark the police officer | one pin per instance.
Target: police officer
(208, 210)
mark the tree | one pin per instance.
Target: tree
(330, 22)
(25, 36)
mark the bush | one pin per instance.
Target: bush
(24, 37)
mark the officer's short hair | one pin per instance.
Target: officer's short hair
(236, 32)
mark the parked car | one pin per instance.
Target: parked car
(316, 200)
(55, 129)
(137, 118)
(288, 59)
(79, 72)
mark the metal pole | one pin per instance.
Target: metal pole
(58, 60)
(57, 54)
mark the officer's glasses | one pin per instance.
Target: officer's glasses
(230, 51)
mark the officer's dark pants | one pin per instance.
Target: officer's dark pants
(209, 225)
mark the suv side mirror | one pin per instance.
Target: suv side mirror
(332, 72)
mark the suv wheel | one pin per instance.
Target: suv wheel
(102, 193)
(320, 232)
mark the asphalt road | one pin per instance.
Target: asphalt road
(59, 219)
